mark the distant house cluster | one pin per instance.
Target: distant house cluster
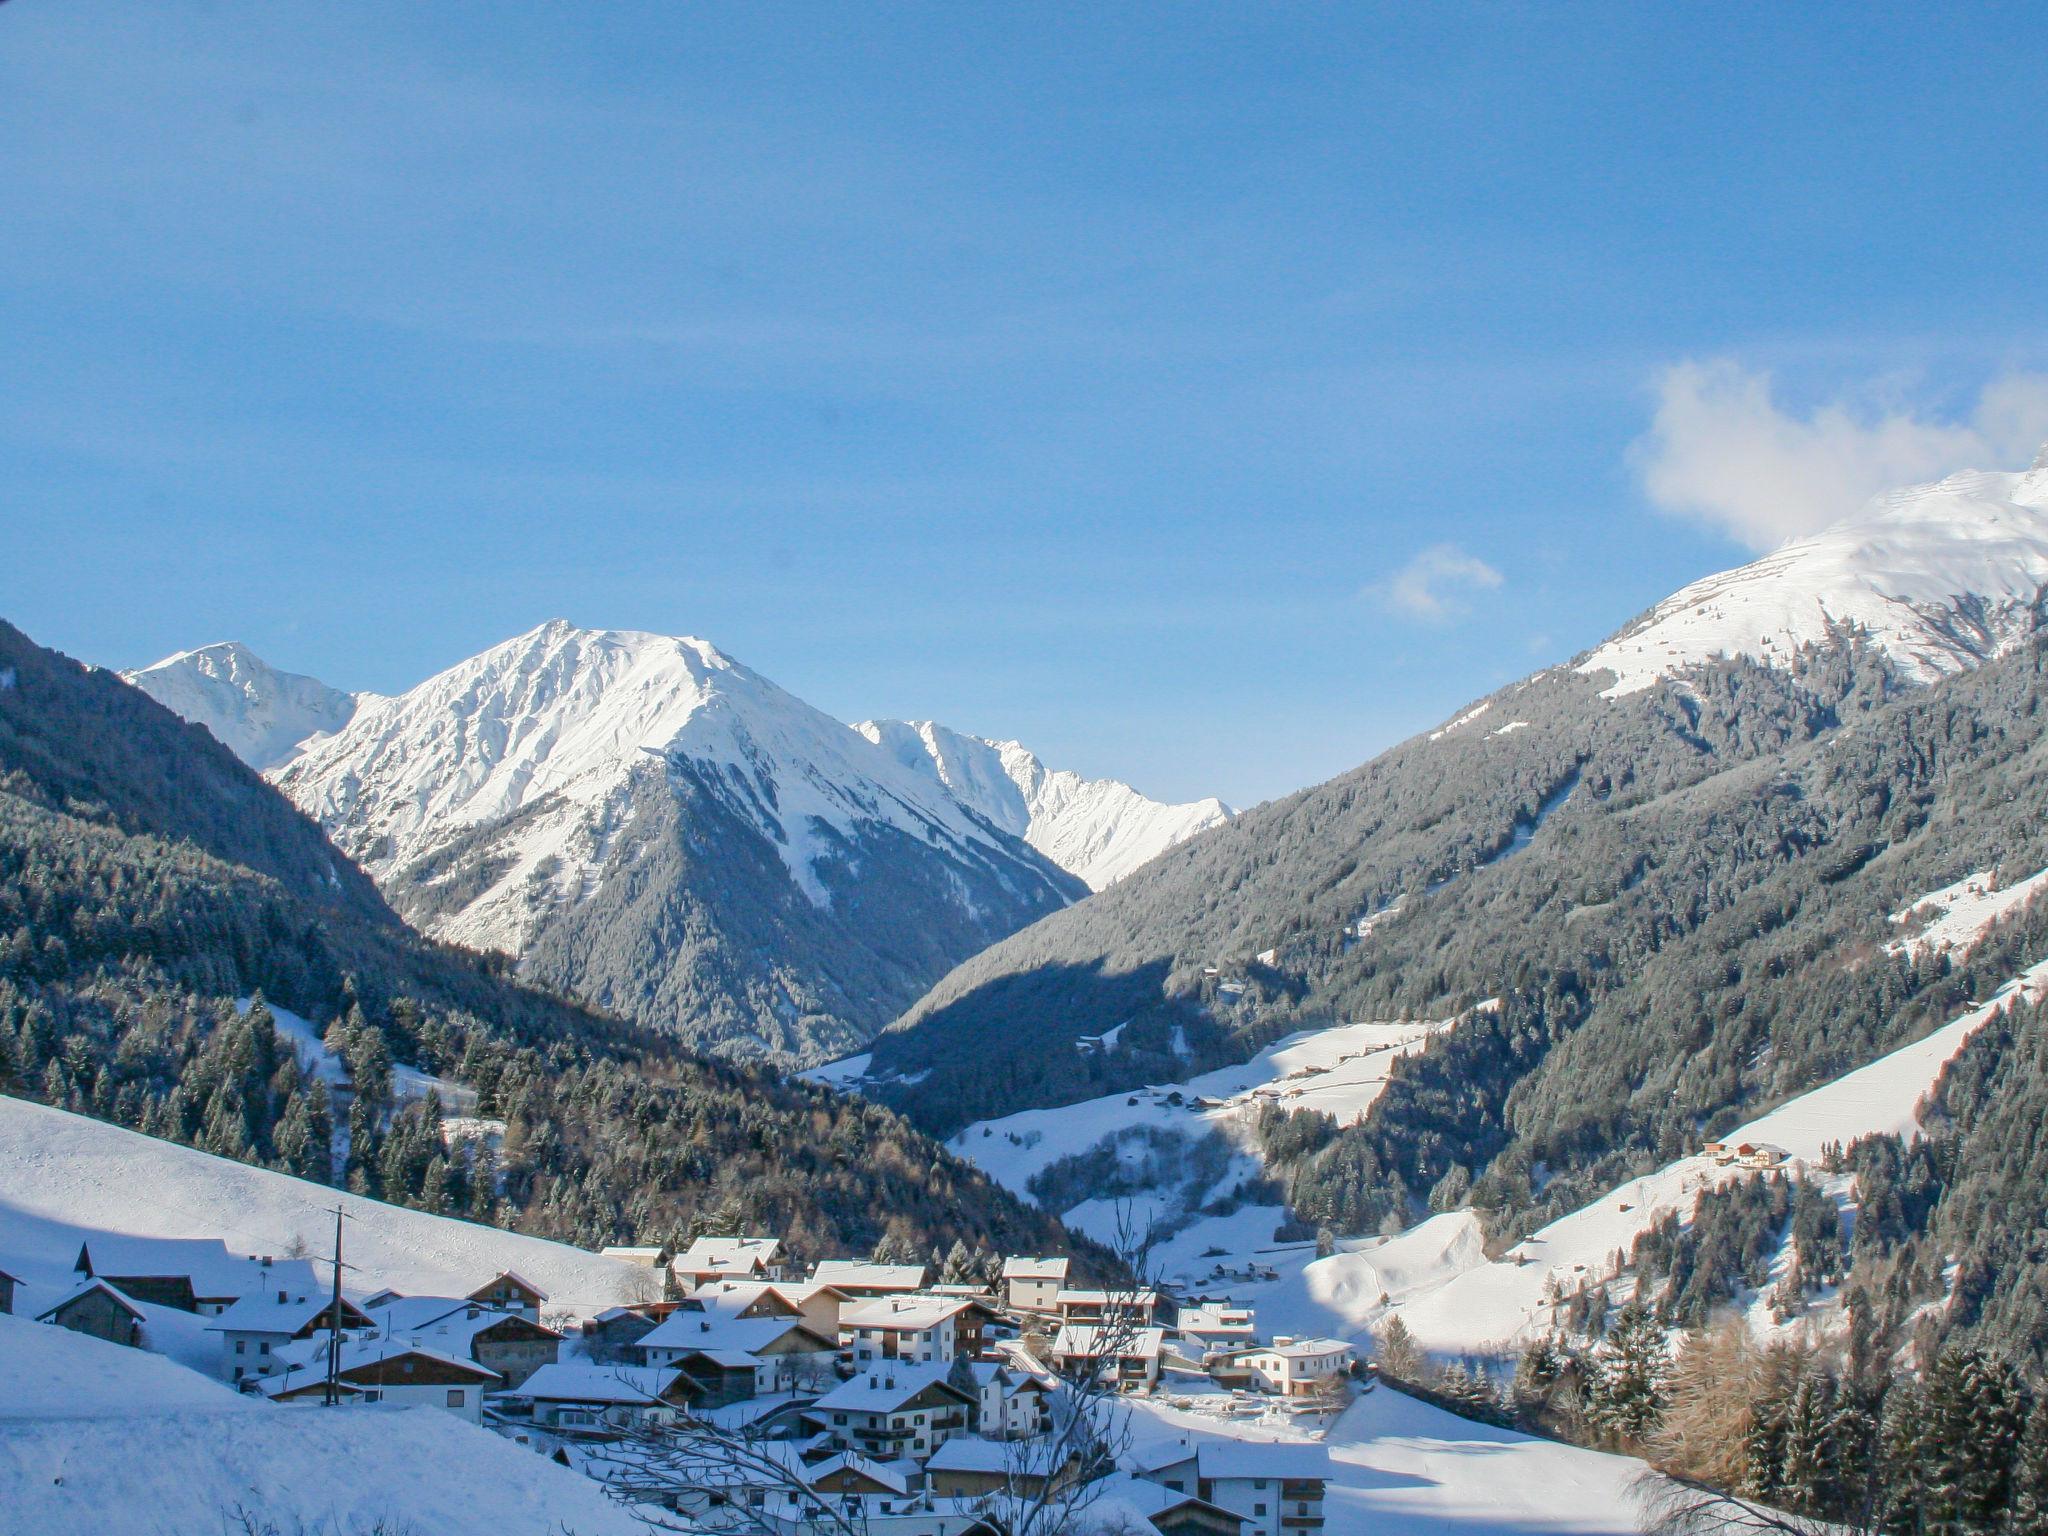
(916, 1407)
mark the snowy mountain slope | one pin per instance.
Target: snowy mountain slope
(612, 804)
(258, 713)
(96, 1439)
(1099, 829)
(68, 1177)
(1939, 577)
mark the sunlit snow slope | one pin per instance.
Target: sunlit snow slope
(258, 713)
(1099, 829)
(1939, 577)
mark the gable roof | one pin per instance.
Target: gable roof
(267, 1314)
(123, 1302)
(1214, 1456)
(708, 1331)
(741, 1254)
(911, 1314)
(886, 1391)
(215, 1273)
(510, 1277)
(852, 1274)
(1085, 1340)
(1036, 1269)
(308, 1360)
(450, 1320)
(581, 1381)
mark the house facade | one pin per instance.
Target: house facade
(1034, 1285)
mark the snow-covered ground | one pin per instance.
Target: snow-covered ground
(100, 1440)
(406, 1082)
(1957, 917)
(1940, 577)
(1099, 829)
(67, 1177)
(1403, 1468)
(1339, 1071)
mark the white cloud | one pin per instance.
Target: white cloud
(1722, 451)
(1427, 586)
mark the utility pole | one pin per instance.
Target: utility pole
(333, 1394)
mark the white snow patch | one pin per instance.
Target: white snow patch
(1958, 916)
(1465, 719)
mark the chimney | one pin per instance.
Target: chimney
(280, 1298)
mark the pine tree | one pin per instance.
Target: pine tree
(1400, 1358)
(1632, 1368)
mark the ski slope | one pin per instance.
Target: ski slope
(68, 1177)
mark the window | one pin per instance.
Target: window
(1258, 1509)
(373, 1396)
(241, 1346)
(263, 1348)
(455, 1398)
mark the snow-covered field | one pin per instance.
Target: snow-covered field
(1403, 1468)
(99, 1440)
(1957, 917)
(67, 1177)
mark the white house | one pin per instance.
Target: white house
(1124, 1357)
(1207, 1327)
(576, 1397)
(256, 1329)
(893, 1411)
(738, 1347)
(1014, 1403)
(382, 1371)
(1292, 1367)
(1034, 1285)
(1275, 1487)
(919, 1330)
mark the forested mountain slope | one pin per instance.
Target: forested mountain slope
(148, 880)
(1681, 893)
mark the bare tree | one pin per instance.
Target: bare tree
(1676, 1506)
(655, 1468)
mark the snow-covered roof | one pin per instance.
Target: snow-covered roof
(971, 1453)
(508, 1277)
(729, 1253)
(851, 1274)
(885, 1390)
(445, 1320)
(1097, 1298)
(287, 1312)
(124, 1303)
(910, 1314)
(1217, 1457)
(713, 1332)
(1215, 1319)
(582, 1381)
(847, 1461)
(215, 1273)
(1020, 1268)
(1085, 1339)
(1301, 1349)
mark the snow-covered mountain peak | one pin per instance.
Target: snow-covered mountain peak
(257, 712)
(1099, 829)
(539, 736)
(1939, 577)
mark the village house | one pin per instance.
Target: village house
(609, 1336)
(851, 1277)
(99, 1310)
(507, 1292)
(893, 1411)
(510, 1343)
(1288, 1367)
(255, 1328)
(1013, 1403)
(1085, 1306)
(740, 1346)
(581, 1399)
(1273, 1487)
(382, 1371)
(1128, 1499)
(1121, 1356)
(1208, 1327)
(919, 1329)
(1034, 1285)
(192, 1274)
(727, 1258)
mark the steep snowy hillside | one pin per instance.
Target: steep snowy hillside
(258, 713)
(68, 1177)
(1938, 577)
(1099, 829)
(659, 828)
(97, 1439)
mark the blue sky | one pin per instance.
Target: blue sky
(1208, 396)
